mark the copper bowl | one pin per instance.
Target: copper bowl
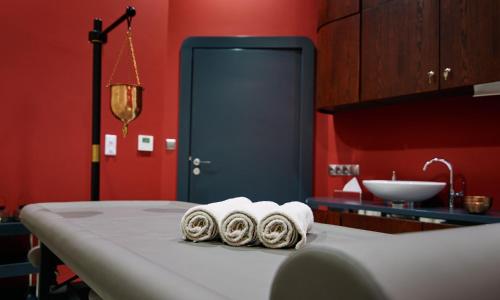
(477, 204)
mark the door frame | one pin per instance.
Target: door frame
(306, 115)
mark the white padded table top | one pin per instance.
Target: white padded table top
(134, 250)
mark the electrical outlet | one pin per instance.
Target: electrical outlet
(343, 170)
(110, 144)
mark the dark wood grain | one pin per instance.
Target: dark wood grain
(330, 10)
(367, 4)
(373, 223)
(338, 63)
(470, 41)
(320, 215)
(333, 217)
(379, 224)
(431, 226)
(326, 216)
(399, 47)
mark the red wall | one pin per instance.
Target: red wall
(46, 100)
(47, 94)
(402, 137)
(398, 137)
(46, 86)
(225, 18)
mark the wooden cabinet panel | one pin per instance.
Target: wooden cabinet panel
(400, 45)
(338, 63)
(379, 224)
(470, 41)
(326, 216)
(333, 218)
(402, 41)
(432, 226)
(320, 215)
(330, 10)
(372, 223)
(367, 4)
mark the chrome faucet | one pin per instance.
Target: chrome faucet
(452, 193)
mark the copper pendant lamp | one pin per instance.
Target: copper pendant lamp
(126, 99)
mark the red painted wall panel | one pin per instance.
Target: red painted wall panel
(46, 150)
(45, 127)
(402, 137)
(226, 18)
(46, 100)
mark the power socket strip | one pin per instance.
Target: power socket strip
(343, 170)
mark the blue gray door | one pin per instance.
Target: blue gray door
(246, 119)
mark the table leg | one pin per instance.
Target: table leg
(47, 277)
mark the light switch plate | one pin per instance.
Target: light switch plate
(170, 144)
(110, 144)
(145, 142)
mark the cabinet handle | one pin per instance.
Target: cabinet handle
(446, 72)
(430, 74)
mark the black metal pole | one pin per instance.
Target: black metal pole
(98, 37)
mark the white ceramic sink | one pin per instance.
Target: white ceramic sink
(404, 191)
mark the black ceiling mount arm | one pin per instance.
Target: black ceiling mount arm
(98, 37)
(129, 13)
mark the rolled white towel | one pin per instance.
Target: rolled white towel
(239, 227)
(201, 223)
(286, 226)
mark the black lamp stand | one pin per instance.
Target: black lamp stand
(98, 38)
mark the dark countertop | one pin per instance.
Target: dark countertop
(457, 214)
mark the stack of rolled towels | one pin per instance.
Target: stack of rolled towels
(241, 222)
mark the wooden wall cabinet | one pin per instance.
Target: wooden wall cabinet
(338, 63)
(400, 47)
(330, 10)
(415, 46)
(470, 42)
(405, 47)
(367, 4)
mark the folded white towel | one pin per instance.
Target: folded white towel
(239, 227)
(286, 226)
(201, 223)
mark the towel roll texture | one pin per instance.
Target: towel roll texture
(201, 223)
(239, 227)
(287, 226)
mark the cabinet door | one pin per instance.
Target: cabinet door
(470, 42)
(379, 224)
(399, 48)
(330, 10)
(338, 63)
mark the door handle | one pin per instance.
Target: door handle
(198, 162)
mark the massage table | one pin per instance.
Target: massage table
(134, 250)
